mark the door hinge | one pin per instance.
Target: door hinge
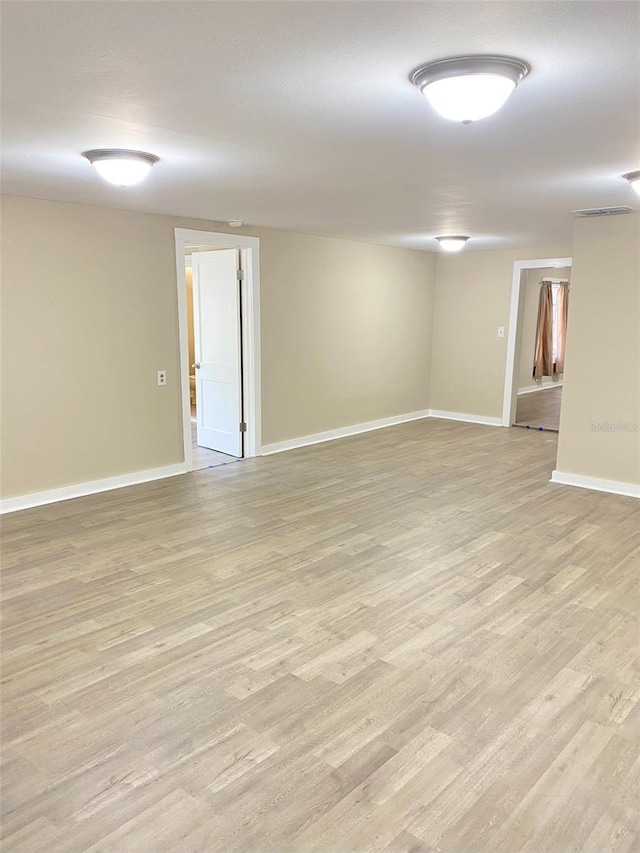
(240, 274)
(243, 427)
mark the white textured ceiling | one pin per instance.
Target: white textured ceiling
(300, 115)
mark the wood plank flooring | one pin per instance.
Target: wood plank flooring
(406, 641)
(540, 409)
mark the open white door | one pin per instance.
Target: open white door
(218, 350)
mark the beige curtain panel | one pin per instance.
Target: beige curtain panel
(545, 362)
(543, 357)
(562, 309)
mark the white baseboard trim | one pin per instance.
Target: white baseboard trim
(342, 432)
(94, 487)
(544, 387)
(461, 416)
(91, 488)
(614, 487)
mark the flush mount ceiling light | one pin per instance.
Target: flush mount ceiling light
(634, 180)
(120, 166)
(452, 244)
(467, 88)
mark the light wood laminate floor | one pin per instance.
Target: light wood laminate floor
(407, 640)
(540, 409)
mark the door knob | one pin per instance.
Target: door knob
(196, 365)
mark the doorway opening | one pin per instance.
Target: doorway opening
(218, 305)
(534, 401)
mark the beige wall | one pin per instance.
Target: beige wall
(346, 333)
(602, 363)
(529, 323)
(89, 314)
(473, 298)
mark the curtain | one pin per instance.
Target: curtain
(562, 309)
(543, 357)
(551, 331)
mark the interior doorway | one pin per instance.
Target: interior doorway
(529, 402)
(218, 287)
(539, 399)
(213, 278)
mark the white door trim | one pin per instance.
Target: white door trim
(250, 256)
(510, 397)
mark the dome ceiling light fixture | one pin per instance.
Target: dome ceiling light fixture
(120, 166)
(468, 88)
(634, 180)
(452, 243)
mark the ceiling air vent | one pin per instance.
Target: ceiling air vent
(602, 211)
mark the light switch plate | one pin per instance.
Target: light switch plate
(501, 331)
(162, 377)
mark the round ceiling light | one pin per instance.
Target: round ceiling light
(452, 244)
(468, 88)
(120, 166)
(634, 180)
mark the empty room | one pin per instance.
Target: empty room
(320, 393)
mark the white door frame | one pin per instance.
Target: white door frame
(517, 284)
(251, 368)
